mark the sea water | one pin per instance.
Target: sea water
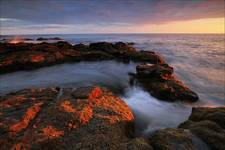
(198, 61)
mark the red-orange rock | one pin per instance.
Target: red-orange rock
(42, 121)
(51, 132)
(37, 58)
(95, 93)
(26, 56)
(159, 81)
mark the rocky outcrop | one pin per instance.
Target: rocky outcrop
(45, 39)
(159, 81)
(25, 56)
(171, 139)
(209, 125)
(157, 77)
(111, 48)
(150, 57)
(81, 47)
(203, 130)
(82, 118)
(93, 118)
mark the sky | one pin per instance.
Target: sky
(111, 16)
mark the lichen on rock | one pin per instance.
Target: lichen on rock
(100, 120)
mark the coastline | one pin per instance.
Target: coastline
(151, 70)
(157, 77)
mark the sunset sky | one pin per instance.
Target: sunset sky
(111, 16)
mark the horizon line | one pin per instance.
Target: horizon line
(102, 33)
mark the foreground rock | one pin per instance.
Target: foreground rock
(93, 118)
(205, 129)
(25, 56)
(209, 125)
(160, 81)
(170, 139)
(84, 118)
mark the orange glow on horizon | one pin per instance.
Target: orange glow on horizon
(16, 40)
(207, 25)
(211, 25)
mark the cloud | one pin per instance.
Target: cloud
(8, 19)
(110, 11)
(80, 15)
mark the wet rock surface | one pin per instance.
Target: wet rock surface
(170, 139)
(93, 118)
(209, 125)
(203, 130)
(83, 118)
(159, 81)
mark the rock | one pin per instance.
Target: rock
(80, 47)
(124, 52)
(71, 53)
(149, 56)
(6, 48)
(210, 132)
(137, 144)
(206, 113)
(124, 47)
(203, 130)
(41, 39)
(20, 56)
(81, 92)
(49, 119)
(28, 39)
(130, 43)
(4, 40)
(154, 70)
(208, 124)
(56, 38)
(45, 39)
(171, 139)
(45, 47)
(156, 77)
(28, 60)
(24, 56)
(104, 47)
(159, 81)
(117, 49)
(96, 55)
(63, 45)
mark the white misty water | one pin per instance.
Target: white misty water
(152, 114)
(111, 74)
(198, 60)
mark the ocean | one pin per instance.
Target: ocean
(198, 61)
